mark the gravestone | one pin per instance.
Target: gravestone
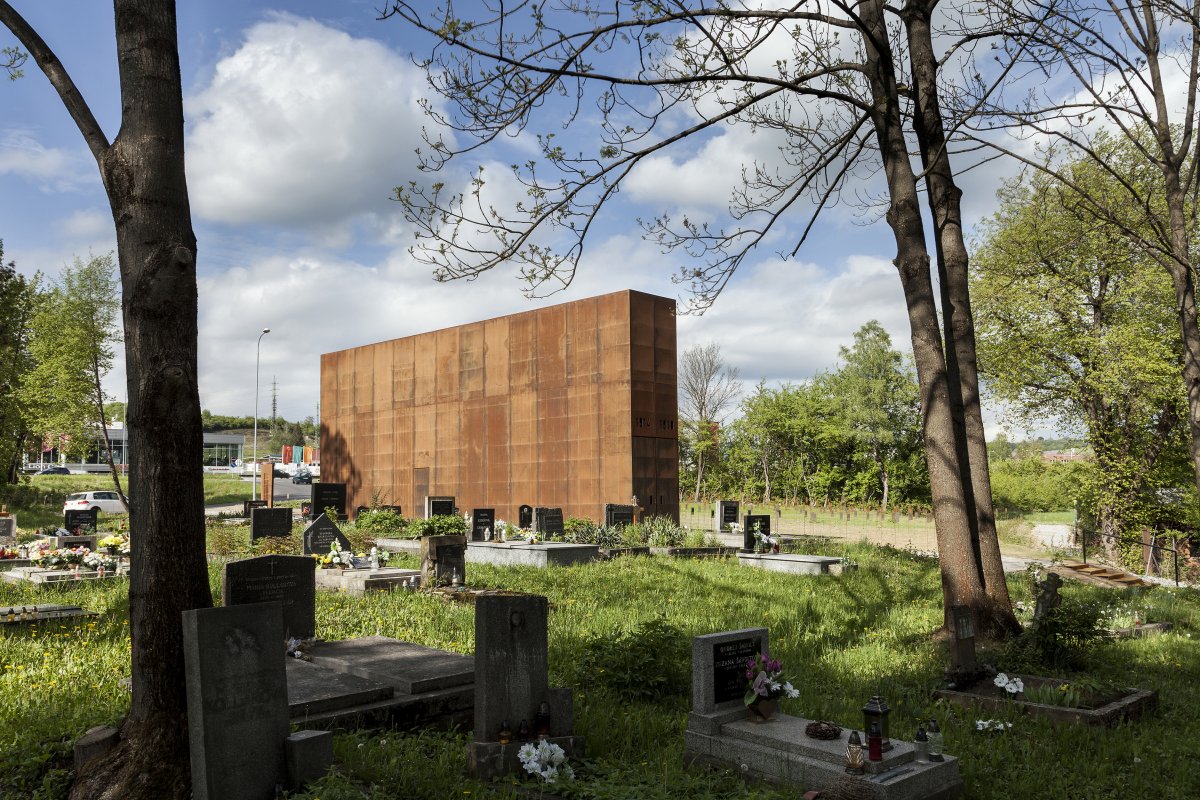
(964, 638)
(320, 536)
(71, 542)
(290, 580)
(8, 526)
(617, 515)
(270, 522)
(441, 558)
(511, 684)
(719, 668)
(482, 520)
(549, 522)
(248, 506)
(752, 522)
(439, 507)
(329, 495)
(1048, 597)
(727, 514)
(236, 700)
(525, 517)
(79, 518)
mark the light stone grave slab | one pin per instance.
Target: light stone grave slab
(237, 700)
(542, 554)
(358, 582)
(60, 577)
(410, 668)
(793, 563)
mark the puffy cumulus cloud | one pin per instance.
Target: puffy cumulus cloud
(51, 168)
(87, 224)
(302, 125)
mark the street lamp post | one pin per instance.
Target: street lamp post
(254, 469)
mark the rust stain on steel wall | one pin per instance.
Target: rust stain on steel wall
(573, 405)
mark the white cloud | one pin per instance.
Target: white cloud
(53, 168)
(87, 224)
(303, 125)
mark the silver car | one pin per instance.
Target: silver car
(104, 501)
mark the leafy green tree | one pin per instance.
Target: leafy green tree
(879, 408)
(707, 387)
(18, 298)
(75, 335)
(1076, 328)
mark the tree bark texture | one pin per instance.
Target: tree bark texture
(143, 175)
(961, 577)
(996, 618)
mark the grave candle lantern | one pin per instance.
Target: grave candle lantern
(854, 754)
(876, 711)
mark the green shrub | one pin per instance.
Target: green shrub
(663, 532)
(440, 525)
(1061, 639)
(647, 663)
(578, 530)
(228, 540)
(635, 535)
(277, 546)
(380, 522)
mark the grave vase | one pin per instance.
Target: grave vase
(763, 709)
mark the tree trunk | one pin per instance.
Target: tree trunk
(1183, 281)
(944, 196)
(143, 174)
(699, 472)
(961, 581)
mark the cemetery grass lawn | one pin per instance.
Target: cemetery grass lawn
(620, 635)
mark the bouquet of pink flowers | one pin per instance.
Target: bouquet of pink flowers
(765, 680)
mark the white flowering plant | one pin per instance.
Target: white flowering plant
(765, 680)
(992, 725)
(1012, 685)
(545, 760)
(98, 561)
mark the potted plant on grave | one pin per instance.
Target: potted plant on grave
(765, 685)
(336, 558)
(116, 544)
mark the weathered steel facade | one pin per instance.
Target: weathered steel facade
(572, 405)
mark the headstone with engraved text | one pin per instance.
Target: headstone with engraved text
(618, 515)
(549, 522)
(320, 536)
(290, 580)
(439, 507)
(329, 495)
(270, 522)
(482, 520)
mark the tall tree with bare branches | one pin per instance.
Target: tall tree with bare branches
(707, 388)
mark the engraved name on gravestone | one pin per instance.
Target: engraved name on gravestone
(237, 701)
(727, 513)
(79, 518)
(439, 507)
(615, 515)
(320, 536)
(729, 668)
(290, 580)
(329, 495)
(8, 527)
(482, 520)
(550, 522)
(270, 522)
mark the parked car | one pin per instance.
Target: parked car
(53, 471)
(104, 501)
(279, 473)
(303, 475)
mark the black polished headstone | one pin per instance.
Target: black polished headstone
(751, 523)
(79, 518)
(482, 519)
(328, 495)
(270, 522)
(439, 507)
(727, 513)
(248, 506)
(525, 517)
(549, 522)
(291, 580)
(729, 668)
(320, 536)
(615, 515)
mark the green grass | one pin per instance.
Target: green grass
(1050, 517)
(841, 640)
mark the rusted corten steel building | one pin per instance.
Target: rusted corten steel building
(573, 405)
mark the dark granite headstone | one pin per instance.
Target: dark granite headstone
(320, 536)
(270, 522)
(79, 518)
(482, 519)
(751, 523)
(511, 659)
(729, 668)
(439, 507)
(290, 580)
(549, 522)
(237, 700)
(441, 558)
(8, 527)
(328, 495)
(615, 515)
(727, 513)
(248, 506)
(525, 517)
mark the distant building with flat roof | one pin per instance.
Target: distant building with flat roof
(572, 405)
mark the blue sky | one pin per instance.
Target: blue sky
(301, 118)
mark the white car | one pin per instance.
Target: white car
(105, 501)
